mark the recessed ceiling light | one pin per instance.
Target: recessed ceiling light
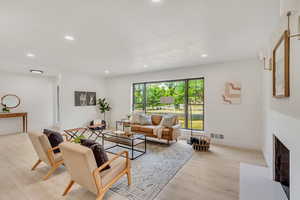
(204, 55)
(145, 66)
(36, 71)
(156, 1)
(106, 72)
(30, 55)
(69, 37)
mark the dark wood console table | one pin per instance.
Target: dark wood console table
(12, 115)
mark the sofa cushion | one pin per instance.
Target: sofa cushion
(167, 131)
(135, 118)
(168, 121)
(55, 138)
(145, 119)
(147, 129)
(135, 127)
(156, 119)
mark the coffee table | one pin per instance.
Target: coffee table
(125, 141)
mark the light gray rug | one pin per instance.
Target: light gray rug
(153, 171)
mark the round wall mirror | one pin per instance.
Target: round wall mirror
(10, 101)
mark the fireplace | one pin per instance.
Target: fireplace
(282, 165)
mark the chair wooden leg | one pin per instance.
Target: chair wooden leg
(129, 176)
(68, 188)
(36, 164)
(53, 168)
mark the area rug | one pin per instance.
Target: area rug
(153, 171)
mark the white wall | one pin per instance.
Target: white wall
(239, 123)
(36, 97)
(72, 116)
(282, 118)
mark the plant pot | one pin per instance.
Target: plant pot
(104, 123)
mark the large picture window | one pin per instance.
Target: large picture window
(185, 98)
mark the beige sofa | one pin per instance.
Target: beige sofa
(168, 134)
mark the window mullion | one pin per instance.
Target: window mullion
(186, 103)
(145, 98)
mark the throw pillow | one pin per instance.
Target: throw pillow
(87, 142)
(174, 118)
(135, 118)
(167, 121)
(100, 155)
(145, 119)
(55, 138)
(98, 151)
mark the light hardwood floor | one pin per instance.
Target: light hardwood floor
(208, 176)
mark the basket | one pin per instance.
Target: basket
(200, 143)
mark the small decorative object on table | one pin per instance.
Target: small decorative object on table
(200, 143)
(123, 125)
(78, 139)
(119, 132)
(127, 127)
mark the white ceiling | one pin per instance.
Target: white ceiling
(124, 35)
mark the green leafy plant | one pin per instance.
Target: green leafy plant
(78, 139)
(103, 106)
(5, 109)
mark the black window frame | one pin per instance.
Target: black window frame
(186, 98)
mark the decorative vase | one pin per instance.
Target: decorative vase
(104, 123)
(5, 110)
(127, 129)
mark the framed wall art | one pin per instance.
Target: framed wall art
(83, 98)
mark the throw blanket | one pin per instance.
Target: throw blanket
(157, 131)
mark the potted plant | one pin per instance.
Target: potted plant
(103, 107)
(5, 109)
(78, 139)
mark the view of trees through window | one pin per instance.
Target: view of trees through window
(186, 100)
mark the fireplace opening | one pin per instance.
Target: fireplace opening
(282, 165)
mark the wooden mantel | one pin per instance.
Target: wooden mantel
(12, 115)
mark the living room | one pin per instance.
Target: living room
(175, 76)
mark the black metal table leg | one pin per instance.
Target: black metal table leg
(131, 149)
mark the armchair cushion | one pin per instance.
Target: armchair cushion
(98, 151)
(58, 157)
(117, 167)
(55, 138)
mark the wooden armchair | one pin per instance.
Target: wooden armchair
(45, 152)
(81, 165)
